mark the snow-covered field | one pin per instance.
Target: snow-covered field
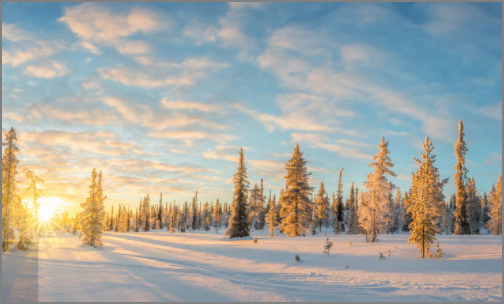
(164, 267)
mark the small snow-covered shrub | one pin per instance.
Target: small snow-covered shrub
(389, 253)
(255, 240)
(382, 257)
(298, 259)
(350, 243)
(439, 253)
(327, 247)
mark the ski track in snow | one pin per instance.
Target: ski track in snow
(163, 267)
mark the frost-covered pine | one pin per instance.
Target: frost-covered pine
(322, 207)
(485, 210)
(238, 220)
(426, 205)
(352, 219)
(495, 223)
(10, 199)
(206, 217)
(272, 217)
(462, 226)
(94, 212)
(255, 207)
(398, 212)
(194, 212)
(473, 206)
(339, 227)
(373, 211)
(173, 219)
(296, 200)
(217, 214)
(146, 213)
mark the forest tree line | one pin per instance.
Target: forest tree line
(378, 208)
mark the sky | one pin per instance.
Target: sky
(160, 96)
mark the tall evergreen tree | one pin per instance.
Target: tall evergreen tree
(339, 227)
(238, 220)
(461, 213)
(426, 204)
(495, 223)
(94, 212)
(272, 217)
(322, 207)
(352, 220)
(372, 213)
(10, 198)
(474, 206)
(296, 201)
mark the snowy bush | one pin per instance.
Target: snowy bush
(327, 247)
(382, 257)
(298, 259)
(255, 240)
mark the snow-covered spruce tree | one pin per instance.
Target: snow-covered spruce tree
(10, 198)
(238, 220)
(94, 212)
(173, 219)
(261, 200)
(146, 221)
(462, 226)
(495, 223)
(217, 215)
(352, 220)
(272, 217)
(398, 213)
(34, 191)
(314, 217)
(296, 200)
(473, 206)
(372, 213)
(407, 216)
(485, 210)
(322, 210)
(339, 227)
(206, 217)
(254, 207)
(426, 205)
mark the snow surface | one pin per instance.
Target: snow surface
(204, 266)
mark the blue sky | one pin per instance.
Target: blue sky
(160, 96)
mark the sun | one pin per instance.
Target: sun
(49, 207)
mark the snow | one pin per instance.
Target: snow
(204, 266)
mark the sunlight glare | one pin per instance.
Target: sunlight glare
(49, 207)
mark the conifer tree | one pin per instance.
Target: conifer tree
(146, 206)
(217, 214)
(94, 212)
(374, 209)
(461, 213)
(173, 219)
(206, 217)
(322, 207)
(238, 220)
(485, 209)
(254, 207)
(34, 191)
(194, 212)
(272, 217)
(352, 220)
(10, 198)
(474, 206)
(426, 205)
(339, 227)
(495, 223)
(296, 202)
